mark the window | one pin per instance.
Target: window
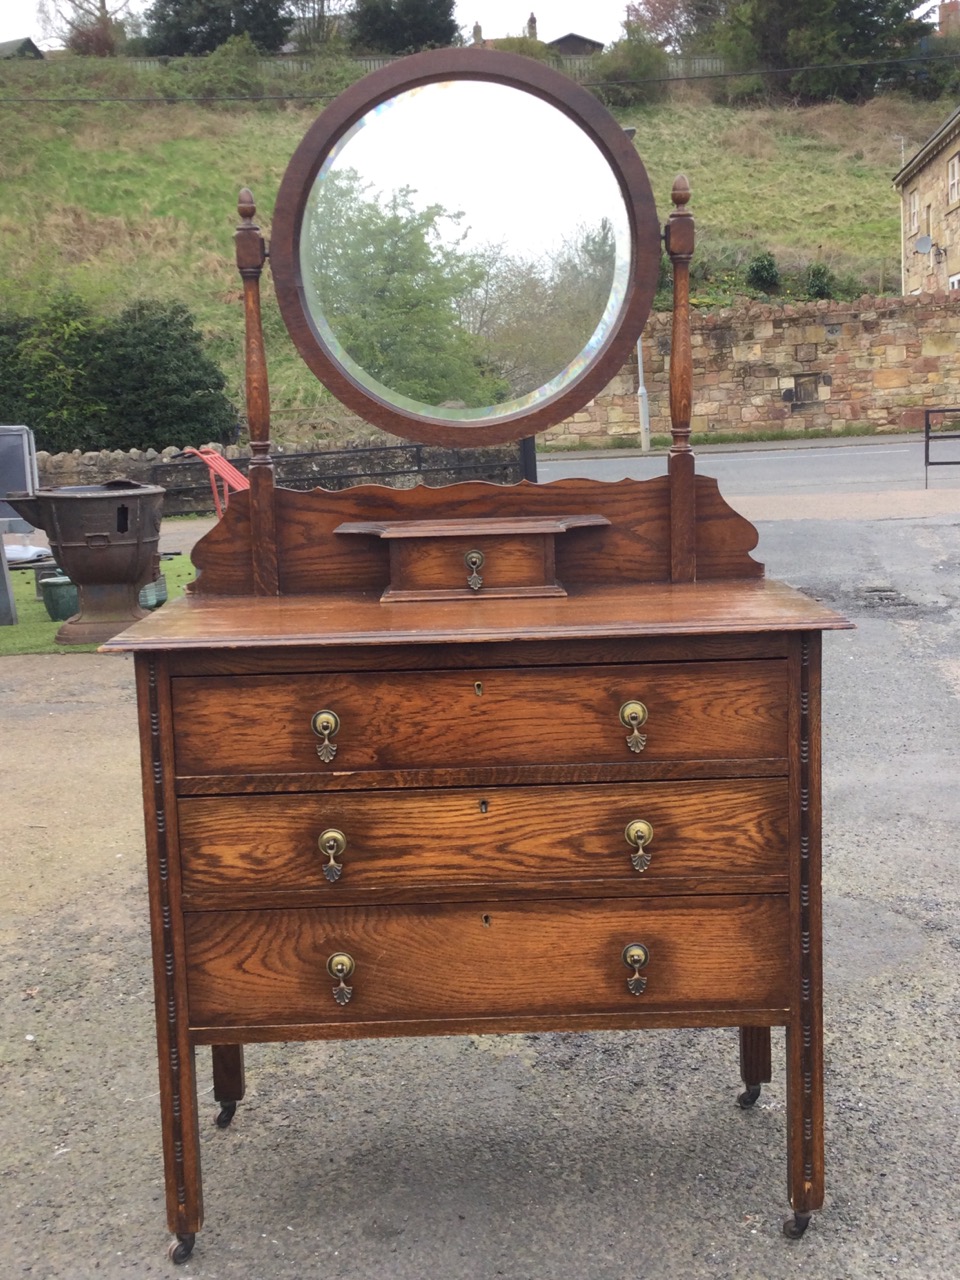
(953, 179)
(913, 216)
(954, 282)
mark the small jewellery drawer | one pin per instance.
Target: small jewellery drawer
(352, 722)
(341, 843)
(485, 959)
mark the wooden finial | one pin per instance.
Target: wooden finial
(245, 205)
(679, 238)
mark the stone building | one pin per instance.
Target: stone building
(929, 188)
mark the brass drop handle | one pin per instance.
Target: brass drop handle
(332, 842)
(636, 957)
(325, 724)
(638, 834)
(341, 966)
(474, 562)
(632, 716)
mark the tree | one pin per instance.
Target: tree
(677, 25)
(91, 27)
(385, 278)
(137, 380)
(404, 26)
(317, 22)
(632, 71)
(178, 28)
(532, 316)
(828, 36)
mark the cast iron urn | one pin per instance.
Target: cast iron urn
(105, 537)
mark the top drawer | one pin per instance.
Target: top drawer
(231, 725)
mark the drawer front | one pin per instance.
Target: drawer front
(385, 841)
(269, 968)
(432, 720)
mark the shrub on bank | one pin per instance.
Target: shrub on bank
(138, 380)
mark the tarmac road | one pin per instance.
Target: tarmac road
(552, 1157)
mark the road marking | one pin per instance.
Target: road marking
(790, 454)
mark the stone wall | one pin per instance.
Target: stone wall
(756, 367)
(814, 365)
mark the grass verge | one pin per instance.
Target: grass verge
(34, 632)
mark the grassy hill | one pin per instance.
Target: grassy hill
(125, 200)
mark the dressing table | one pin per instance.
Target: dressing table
(481, 758)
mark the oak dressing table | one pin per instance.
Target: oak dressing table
(553, 747)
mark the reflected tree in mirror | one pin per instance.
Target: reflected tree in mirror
(390, 282)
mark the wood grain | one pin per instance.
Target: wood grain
(485, 959)
(636, 548)
(599, 614)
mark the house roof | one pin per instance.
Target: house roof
(573, 35)
(23, 48)
(949, 130)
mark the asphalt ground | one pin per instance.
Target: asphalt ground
(608, 1156)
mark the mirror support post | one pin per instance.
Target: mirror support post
(251, 255)
(679, 239)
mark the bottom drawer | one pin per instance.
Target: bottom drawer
(446, 961)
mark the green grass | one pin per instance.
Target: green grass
(34, 632)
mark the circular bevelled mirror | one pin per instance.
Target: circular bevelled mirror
(465, 247)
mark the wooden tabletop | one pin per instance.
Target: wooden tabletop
(647, 609)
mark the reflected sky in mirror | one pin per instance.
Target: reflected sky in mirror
(465, 251)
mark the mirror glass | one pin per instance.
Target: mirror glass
(464, 250)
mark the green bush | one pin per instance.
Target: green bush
(527, 47)
(763, 273)
(631, 72)
(818, 281)
(138, 380)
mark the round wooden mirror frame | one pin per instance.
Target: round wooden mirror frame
(519, 73)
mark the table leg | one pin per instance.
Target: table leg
(228, 1080)
(755, 1067)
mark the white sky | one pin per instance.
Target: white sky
(600, 20)
(517, 196)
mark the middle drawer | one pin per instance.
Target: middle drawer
(382, 842)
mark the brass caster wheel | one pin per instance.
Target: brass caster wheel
(181, 1248)
(793, 1228)
(749, 1096)
(227, 1111)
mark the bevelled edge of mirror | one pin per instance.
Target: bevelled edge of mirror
(318, 346)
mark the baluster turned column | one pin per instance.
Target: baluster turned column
(251, 255)
(679, 238)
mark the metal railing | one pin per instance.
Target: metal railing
(397, 466)
(931, 435)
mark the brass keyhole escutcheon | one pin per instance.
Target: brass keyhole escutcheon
(325, 724)
(341, 966)
(638, 834)
(333, 843)
(636, 957)
(474, 562)
(632, 716)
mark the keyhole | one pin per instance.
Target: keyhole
(486, 921)
(484, 806)
(478, 688)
